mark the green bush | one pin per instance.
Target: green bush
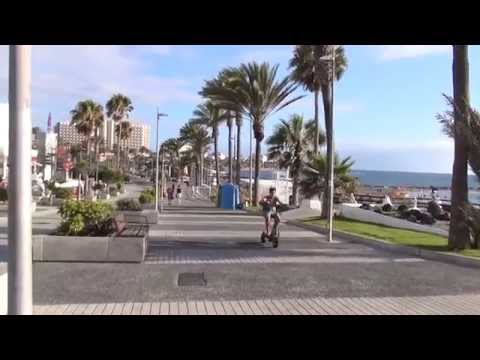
(147, 196)
(129, 205)
(119, 186)
(85, 217)
(63, 193)
(3, 194)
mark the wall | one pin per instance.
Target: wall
(354, 213)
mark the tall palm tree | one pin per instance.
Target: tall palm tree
(118, 108)
(124, 131)
(225, 78)
(239, 123)
(470, 132)
(196, 135)
(312, 72)
(211, 116)
(291, 143)
(458, 237)
(87, 118)
(172, 147)
(313, 175)
(254, 91)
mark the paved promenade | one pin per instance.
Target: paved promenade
(305, 275)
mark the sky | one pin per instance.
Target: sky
(385, 104)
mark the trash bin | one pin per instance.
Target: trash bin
(229, 196)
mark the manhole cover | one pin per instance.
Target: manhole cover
(191, 279)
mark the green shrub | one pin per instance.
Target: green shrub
(84, 217)
(63, 193)
(119, 186)
(3, 194)
(129, 205)
(147, 196)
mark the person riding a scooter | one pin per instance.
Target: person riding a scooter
(269, 204)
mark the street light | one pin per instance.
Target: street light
(330, 170)
(156, 175)
(20, 183)
(251, 163)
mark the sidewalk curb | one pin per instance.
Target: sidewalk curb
(398, 249)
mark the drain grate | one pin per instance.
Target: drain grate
(191, 279)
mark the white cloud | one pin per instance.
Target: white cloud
(66, 74)
(395, 52)
(268, 53)
(305, 106)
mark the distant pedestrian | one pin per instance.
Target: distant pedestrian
(179, 194)
(170, 191)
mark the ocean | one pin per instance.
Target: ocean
(408, 179)
(396, 178)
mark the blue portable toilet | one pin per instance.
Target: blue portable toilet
(229, 196)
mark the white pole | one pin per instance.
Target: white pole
(156, 173)
(163, 180)
(20, 183)
(331, 160)
(251, 163)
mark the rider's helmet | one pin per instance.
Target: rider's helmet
(272, 189)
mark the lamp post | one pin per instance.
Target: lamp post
(330, 156)
(20, 183)
(251, 164)
(156, 174)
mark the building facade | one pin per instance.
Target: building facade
(140, 136)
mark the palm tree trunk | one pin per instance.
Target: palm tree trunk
(230, 145)
(239, 129)
(201, 168)
(458, 234)
(328, 131)
(256, 190)
(215, 145)
(87, 177)
(317, 124)
(96, 156)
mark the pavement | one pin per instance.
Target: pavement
(305, 275)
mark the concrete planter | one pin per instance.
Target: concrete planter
(140, 216)
(89, 249)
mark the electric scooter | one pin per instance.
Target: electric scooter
(274, 235)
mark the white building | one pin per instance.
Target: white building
(68, 134)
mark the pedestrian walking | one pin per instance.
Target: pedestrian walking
(170, 191)
(179, 194)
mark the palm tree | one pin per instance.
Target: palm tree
(118, 107)
(313, 175)
(469, 131)
(458, 233)
(123, 131)
(291, 144)
(87, 118)
(211, 116)
(312, 72)
(253, 90)
(239, 123)
(172, 148)
(196, 135)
